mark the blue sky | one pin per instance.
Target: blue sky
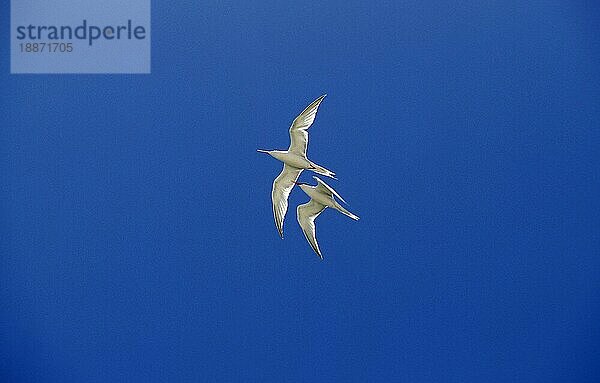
(136, 231)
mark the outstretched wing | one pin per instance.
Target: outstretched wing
(282, 186)
(323, 187)
(307, 214)
(299, 128)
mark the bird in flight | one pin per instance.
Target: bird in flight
(294, 162)
(321, 196)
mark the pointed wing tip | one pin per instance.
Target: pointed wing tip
(319, 99)
(317, 250)
(279, 229)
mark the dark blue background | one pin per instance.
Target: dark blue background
(137, 240)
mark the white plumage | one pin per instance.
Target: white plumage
(321, 196)
(295, 161)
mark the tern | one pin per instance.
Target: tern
(294, 162)
(321, 196)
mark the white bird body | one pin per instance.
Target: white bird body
(295, 161)
(321, 196)
(318, 196)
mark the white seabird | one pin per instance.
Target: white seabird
(321, 197)
(294, 162)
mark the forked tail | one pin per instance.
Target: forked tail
(343, 210)
(321, 170)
